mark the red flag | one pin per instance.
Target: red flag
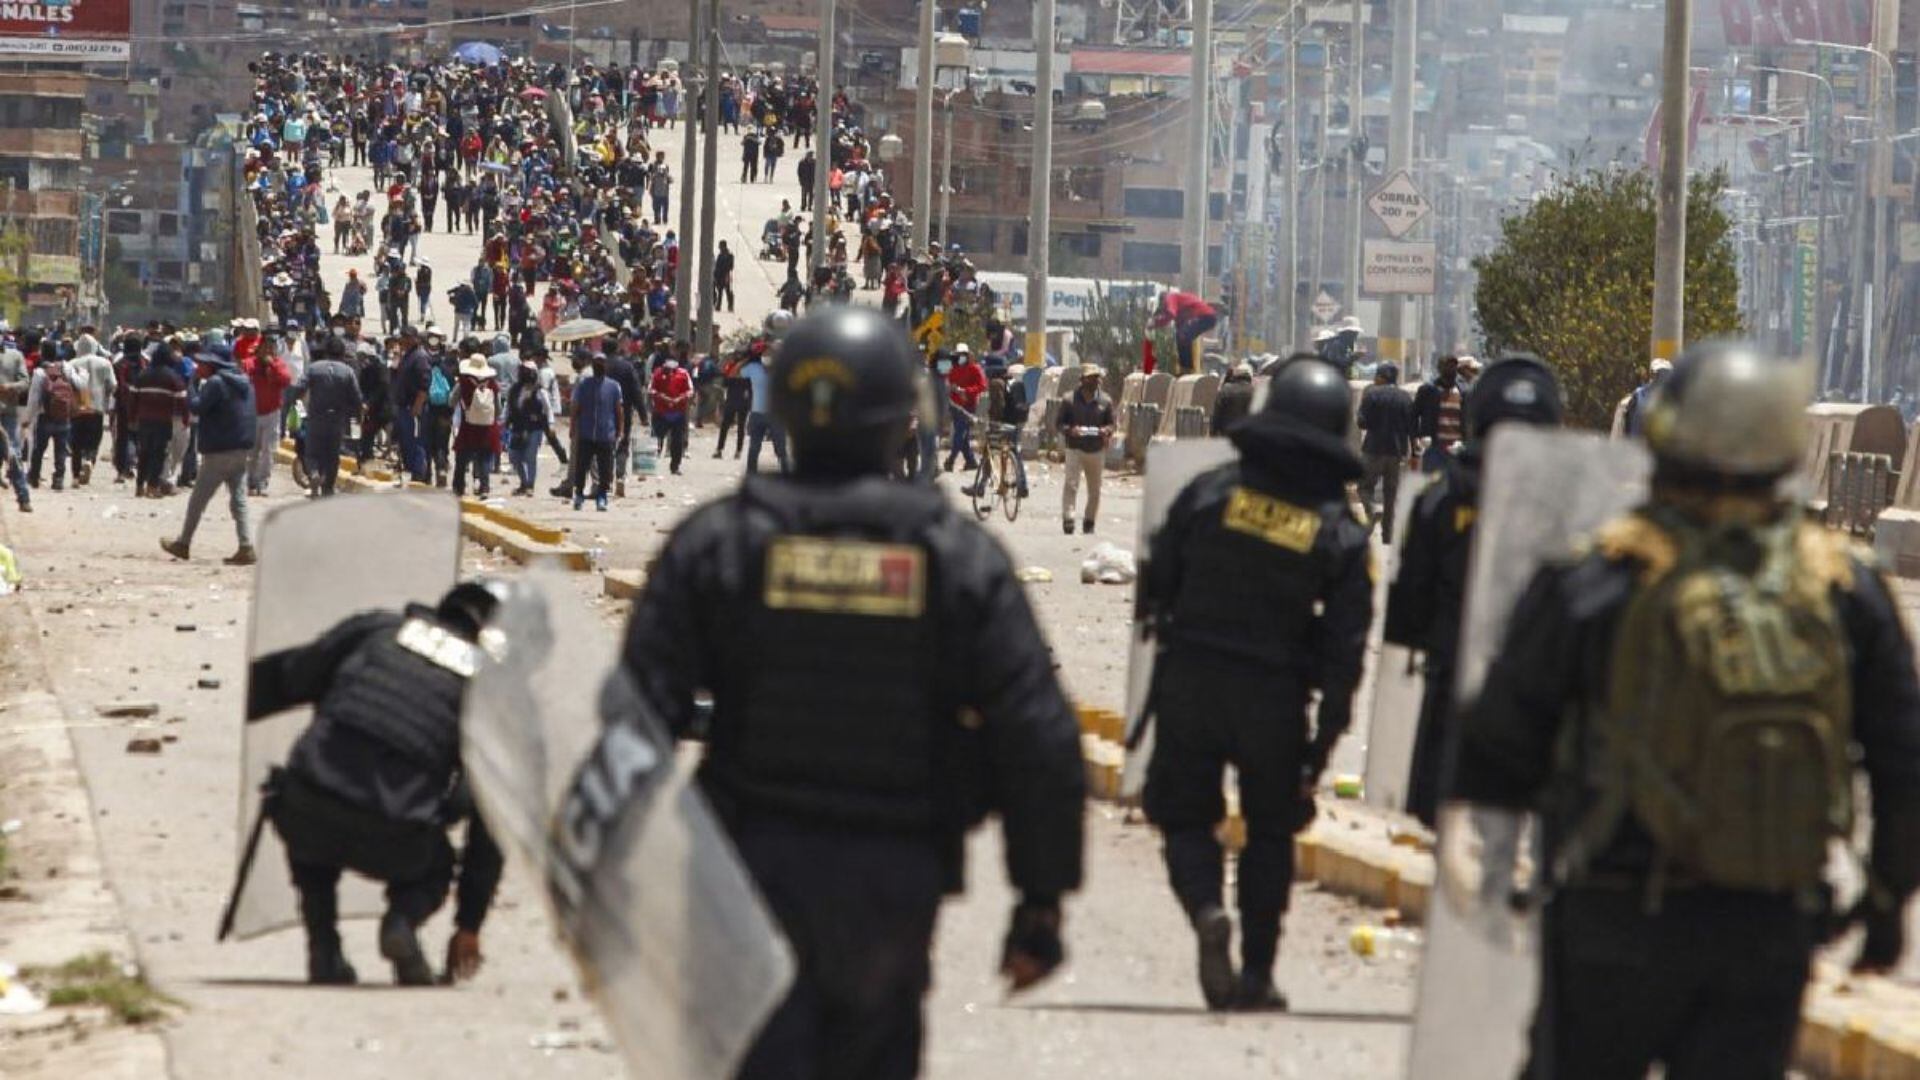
(1146, 356)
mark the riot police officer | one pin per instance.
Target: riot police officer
(1429, 586)
(1259, 591)
(1684, 704)
(373, 784)
(878, 685)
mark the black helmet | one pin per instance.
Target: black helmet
(468, 606)
(843, 386)
(1516, 387)
(1312, 391)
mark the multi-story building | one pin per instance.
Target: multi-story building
(42, 144)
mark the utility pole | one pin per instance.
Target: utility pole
(946, 162)
(1193, 255)
(1290, 199)
(1356, 130)
(710, 130)
(1406, 22)
(923, 134)
(823, 138)
(1039, 224)
(1886, 38)
(689, 178)
(1670, 207)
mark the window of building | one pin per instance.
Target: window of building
(168, 270)
(1217, 206)
(970, 235)
(1080, 183)
(168, 225)
(124, 224)
(1154, 203)
(1141, 257)
(1086, 245)
(975, 180)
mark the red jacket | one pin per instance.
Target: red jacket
(270, 380)
(672, 391)
(1180, 307)
(965, 383)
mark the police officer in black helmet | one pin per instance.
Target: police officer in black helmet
(1429, 584)
(879, 685)
(375, 781)
(1259, 591)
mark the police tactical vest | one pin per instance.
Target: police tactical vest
(1252, 564)
(403, 687)
(836, 714)
(1727, 726)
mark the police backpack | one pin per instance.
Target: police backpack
(1726, 729)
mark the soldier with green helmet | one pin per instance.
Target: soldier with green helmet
(1685, 706)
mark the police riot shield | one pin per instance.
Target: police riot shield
(1171, 466)
(1395, 684)
(580, 781)
(320, 563)
(1541, 492)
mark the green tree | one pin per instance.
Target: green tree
(1115, 329)
(1572, 281)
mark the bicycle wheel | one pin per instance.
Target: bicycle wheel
(981, 494)
(1009, 488)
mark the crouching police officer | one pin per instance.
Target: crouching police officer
(373, 784)
(1259, 591)
(1428, 594)
(1684, 704)
(879, 684)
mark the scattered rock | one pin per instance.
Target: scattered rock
(208, 684)
(184, 628)
(142, 746)
(129, 709)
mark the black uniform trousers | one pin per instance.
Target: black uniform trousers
(324, 442)
(1431, 738)
(325, 836)
(858, 909)
(1210, 713)
(732, 418)
(1710, 984)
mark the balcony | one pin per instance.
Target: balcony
(37, 143)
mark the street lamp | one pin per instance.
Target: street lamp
(952, 73)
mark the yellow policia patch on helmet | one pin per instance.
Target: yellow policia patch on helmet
(846, 577)
(821, 377)
(1281, 524)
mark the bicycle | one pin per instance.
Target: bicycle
(997, 447)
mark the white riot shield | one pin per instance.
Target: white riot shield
(1396, 684)
(1170, 468)
(1542, 490)
(580, 780)
(320, 563)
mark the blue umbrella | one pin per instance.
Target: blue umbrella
(479, 52)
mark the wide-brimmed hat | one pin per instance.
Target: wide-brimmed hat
(1092, 371)
(476, 366)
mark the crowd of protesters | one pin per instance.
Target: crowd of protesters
(451, 377)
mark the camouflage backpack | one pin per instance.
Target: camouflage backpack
(1726, 729)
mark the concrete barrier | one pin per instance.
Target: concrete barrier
(1180, 398)
(1850, 429)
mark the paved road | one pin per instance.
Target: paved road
(1126, 1006)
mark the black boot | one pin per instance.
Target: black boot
(401, 946)
(1214, 927)
(1256, 993)
(326, 964)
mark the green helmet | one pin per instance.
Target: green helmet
(1733, 411)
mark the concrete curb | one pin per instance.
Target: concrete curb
(70, 908)
(493, 528)
(1851, 1029)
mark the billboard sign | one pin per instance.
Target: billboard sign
(66, 30)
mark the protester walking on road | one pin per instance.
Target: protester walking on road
(965, 383)
(332, 393)
(158, 393)
(672, 395)
(224, 405)
(1386, 416)
(597, 403)
(529, 422)
(1086, 423)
